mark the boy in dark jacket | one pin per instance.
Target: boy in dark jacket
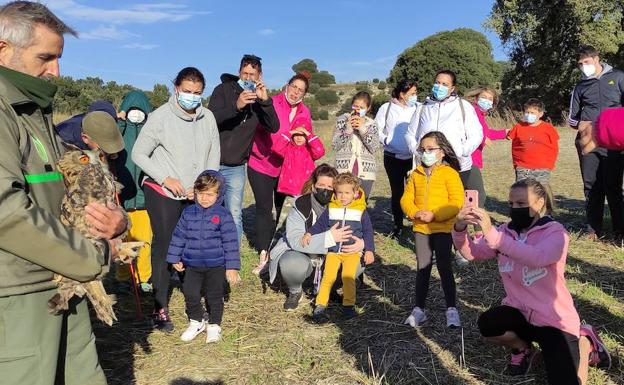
(348, 208)
(205, 245)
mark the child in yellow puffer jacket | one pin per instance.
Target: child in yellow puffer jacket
(433, 196)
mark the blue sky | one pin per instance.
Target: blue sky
(147, 42)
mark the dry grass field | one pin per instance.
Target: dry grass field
(264, 345)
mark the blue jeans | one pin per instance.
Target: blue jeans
(235, 178)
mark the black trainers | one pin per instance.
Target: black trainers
(162, 321)
(319, 315)
(348, 312)
(292, 302)
(521, 361)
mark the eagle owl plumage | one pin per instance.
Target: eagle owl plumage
(88, 179)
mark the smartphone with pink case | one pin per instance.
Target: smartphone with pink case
(471, 198)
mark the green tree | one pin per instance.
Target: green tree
(323, 78)
(305, 65)
(382, 85)
(375, 80)
(542, 38)
(466, 52)
(314, 88)
(159, 95)
(327, 97)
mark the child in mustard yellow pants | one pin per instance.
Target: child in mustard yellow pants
(140, 231)
(347, 208)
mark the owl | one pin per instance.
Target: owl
(88, 179)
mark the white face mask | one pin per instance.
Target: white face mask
(588, 69)
(291, 102)
(136, 116)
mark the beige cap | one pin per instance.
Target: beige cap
(103, 130)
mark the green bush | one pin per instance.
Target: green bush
(378, 101)
(375, 80)
(327, 97)
(382, 85)
(314, 88)
(362, 86)
(323, 78)
(345, 108)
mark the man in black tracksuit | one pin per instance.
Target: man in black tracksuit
(600, 87)
(239, 112)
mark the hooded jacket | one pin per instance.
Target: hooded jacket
(532, 269)
(176, 144)
(353, 215)
(33, 243)
(263, 158)
(206, 237)
(237, 128)
(441, 192)
(593, 94)
(298, 161)
(132, 195)
(458, 122)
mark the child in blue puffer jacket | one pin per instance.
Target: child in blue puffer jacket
(205, 245)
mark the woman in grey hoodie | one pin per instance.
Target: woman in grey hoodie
(179, 141)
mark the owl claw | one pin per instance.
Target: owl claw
(128, 251)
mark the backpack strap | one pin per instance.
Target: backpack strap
(385, 129)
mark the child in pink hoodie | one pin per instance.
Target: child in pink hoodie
(299, 150)
(531, 252)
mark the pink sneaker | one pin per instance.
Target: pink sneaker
(264, 259)
(599, 355)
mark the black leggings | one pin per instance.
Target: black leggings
(560, 350)
(208, 282)
(264, 188)
(397, 170)
(473, 180)
(426, 245)
(164, 214)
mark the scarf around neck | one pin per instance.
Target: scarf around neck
(38, 90)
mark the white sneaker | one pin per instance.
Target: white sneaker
(452, 317)
(416, 318)
(460, 260)
(193, 330)
(213, 333)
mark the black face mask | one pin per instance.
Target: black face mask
(520, 217)
(323, 195)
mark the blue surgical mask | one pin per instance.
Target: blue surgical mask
(439, 91)
(189, 101)
(530, 118)
(429, 158)
(485, 104)
(412, 100)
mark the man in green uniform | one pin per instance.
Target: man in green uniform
(37, 347)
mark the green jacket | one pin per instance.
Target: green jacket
(132, 194)
(33, 243)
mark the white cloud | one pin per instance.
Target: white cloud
(141, 46)
(107, 33)
(146, 13)
(266, 32)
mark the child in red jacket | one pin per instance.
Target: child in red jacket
(534, 144)
(299, 151)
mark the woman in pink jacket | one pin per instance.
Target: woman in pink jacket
(531, 252)
(265, 164)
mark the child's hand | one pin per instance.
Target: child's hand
(232, 276)
(306, 239)
(178, 266)
(369, 257)
(426, 216)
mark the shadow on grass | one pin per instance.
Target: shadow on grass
(187, 381)
(116, 344)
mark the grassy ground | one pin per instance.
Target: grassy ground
(264, 345)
